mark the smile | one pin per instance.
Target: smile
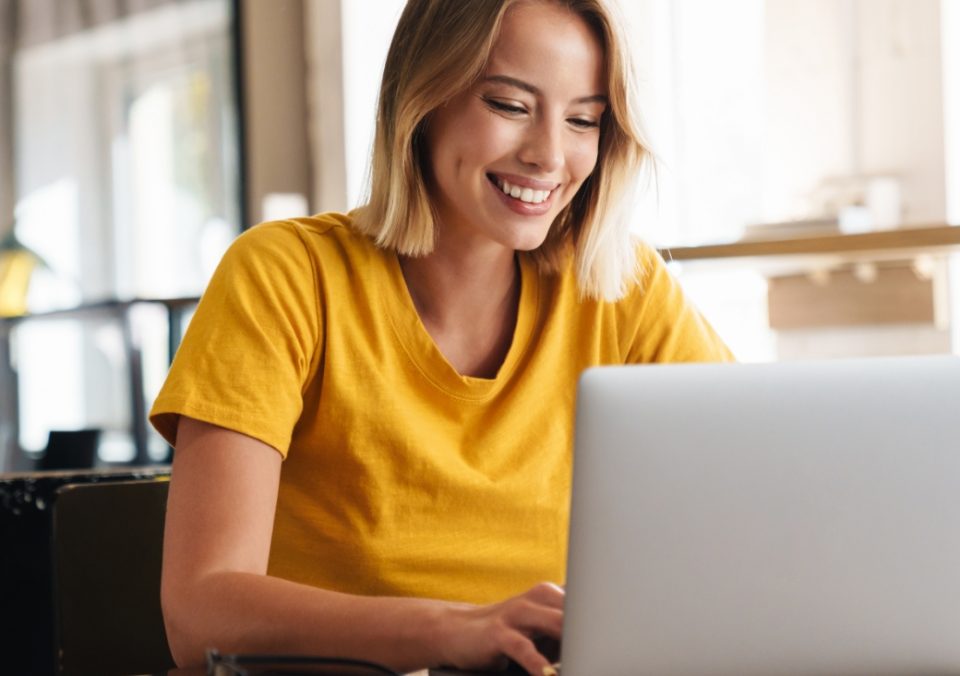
(528, 195)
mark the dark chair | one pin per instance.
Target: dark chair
(107, 543)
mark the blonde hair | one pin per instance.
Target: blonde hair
(440, 48)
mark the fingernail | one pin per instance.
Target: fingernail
(549, 671)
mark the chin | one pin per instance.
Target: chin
(528, 243)
(526, 240)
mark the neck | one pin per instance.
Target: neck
(468, 299)
(451, 287)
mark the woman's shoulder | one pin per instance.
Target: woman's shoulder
(311, 230)
(323, 239)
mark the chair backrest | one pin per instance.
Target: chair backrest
(107, 543)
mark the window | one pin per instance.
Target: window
(128, 186)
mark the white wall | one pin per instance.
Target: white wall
(950, 44)
(901, 108)
(808, 100)
(367, 28)
(854, 87)
(699, 67)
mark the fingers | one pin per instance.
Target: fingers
(537, 612)
(487, 634)
(533, 618)
(548, 594)
(521, 650)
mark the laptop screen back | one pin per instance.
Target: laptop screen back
(793, 518)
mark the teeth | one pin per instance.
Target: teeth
(528, 195)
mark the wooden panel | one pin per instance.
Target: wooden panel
(896, 296)
(907, 239)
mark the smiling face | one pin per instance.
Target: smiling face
(507, 155)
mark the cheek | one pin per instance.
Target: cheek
(474, 140)
(583, 157)
(488, 136)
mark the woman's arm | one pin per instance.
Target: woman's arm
(216, 593)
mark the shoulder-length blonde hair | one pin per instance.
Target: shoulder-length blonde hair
(440, 49)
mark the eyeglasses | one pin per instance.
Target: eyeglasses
(290, 665)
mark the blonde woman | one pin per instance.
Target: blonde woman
(372, 412)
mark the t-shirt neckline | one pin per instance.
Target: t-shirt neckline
(420, 347)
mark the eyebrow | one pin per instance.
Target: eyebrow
(527, 87)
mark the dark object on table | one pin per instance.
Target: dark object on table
(70, 449)
(291, 665)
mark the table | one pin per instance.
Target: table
(201, 671)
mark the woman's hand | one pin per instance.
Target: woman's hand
(484, 637)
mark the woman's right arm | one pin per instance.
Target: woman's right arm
(216, 592)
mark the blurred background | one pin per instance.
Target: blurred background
(806, 184)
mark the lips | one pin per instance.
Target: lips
(524, 196)
(528, 191)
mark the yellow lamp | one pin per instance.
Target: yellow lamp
(17, 263)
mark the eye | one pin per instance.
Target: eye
(504, 107)
(583, 123)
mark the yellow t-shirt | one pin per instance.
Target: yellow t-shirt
(401, 477)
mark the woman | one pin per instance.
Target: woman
(373, 412)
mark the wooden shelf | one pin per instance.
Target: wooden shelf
(886, 244)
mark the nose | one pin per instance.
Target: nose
(543, 145)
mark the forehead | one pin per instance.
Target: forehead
(551, 44)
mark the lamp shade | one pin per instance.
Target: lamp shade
(17, 263)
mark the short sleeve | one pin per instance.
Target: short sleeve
(253, 342)
(658, 323)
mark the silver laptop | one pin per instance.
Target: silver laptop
(792, 518)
